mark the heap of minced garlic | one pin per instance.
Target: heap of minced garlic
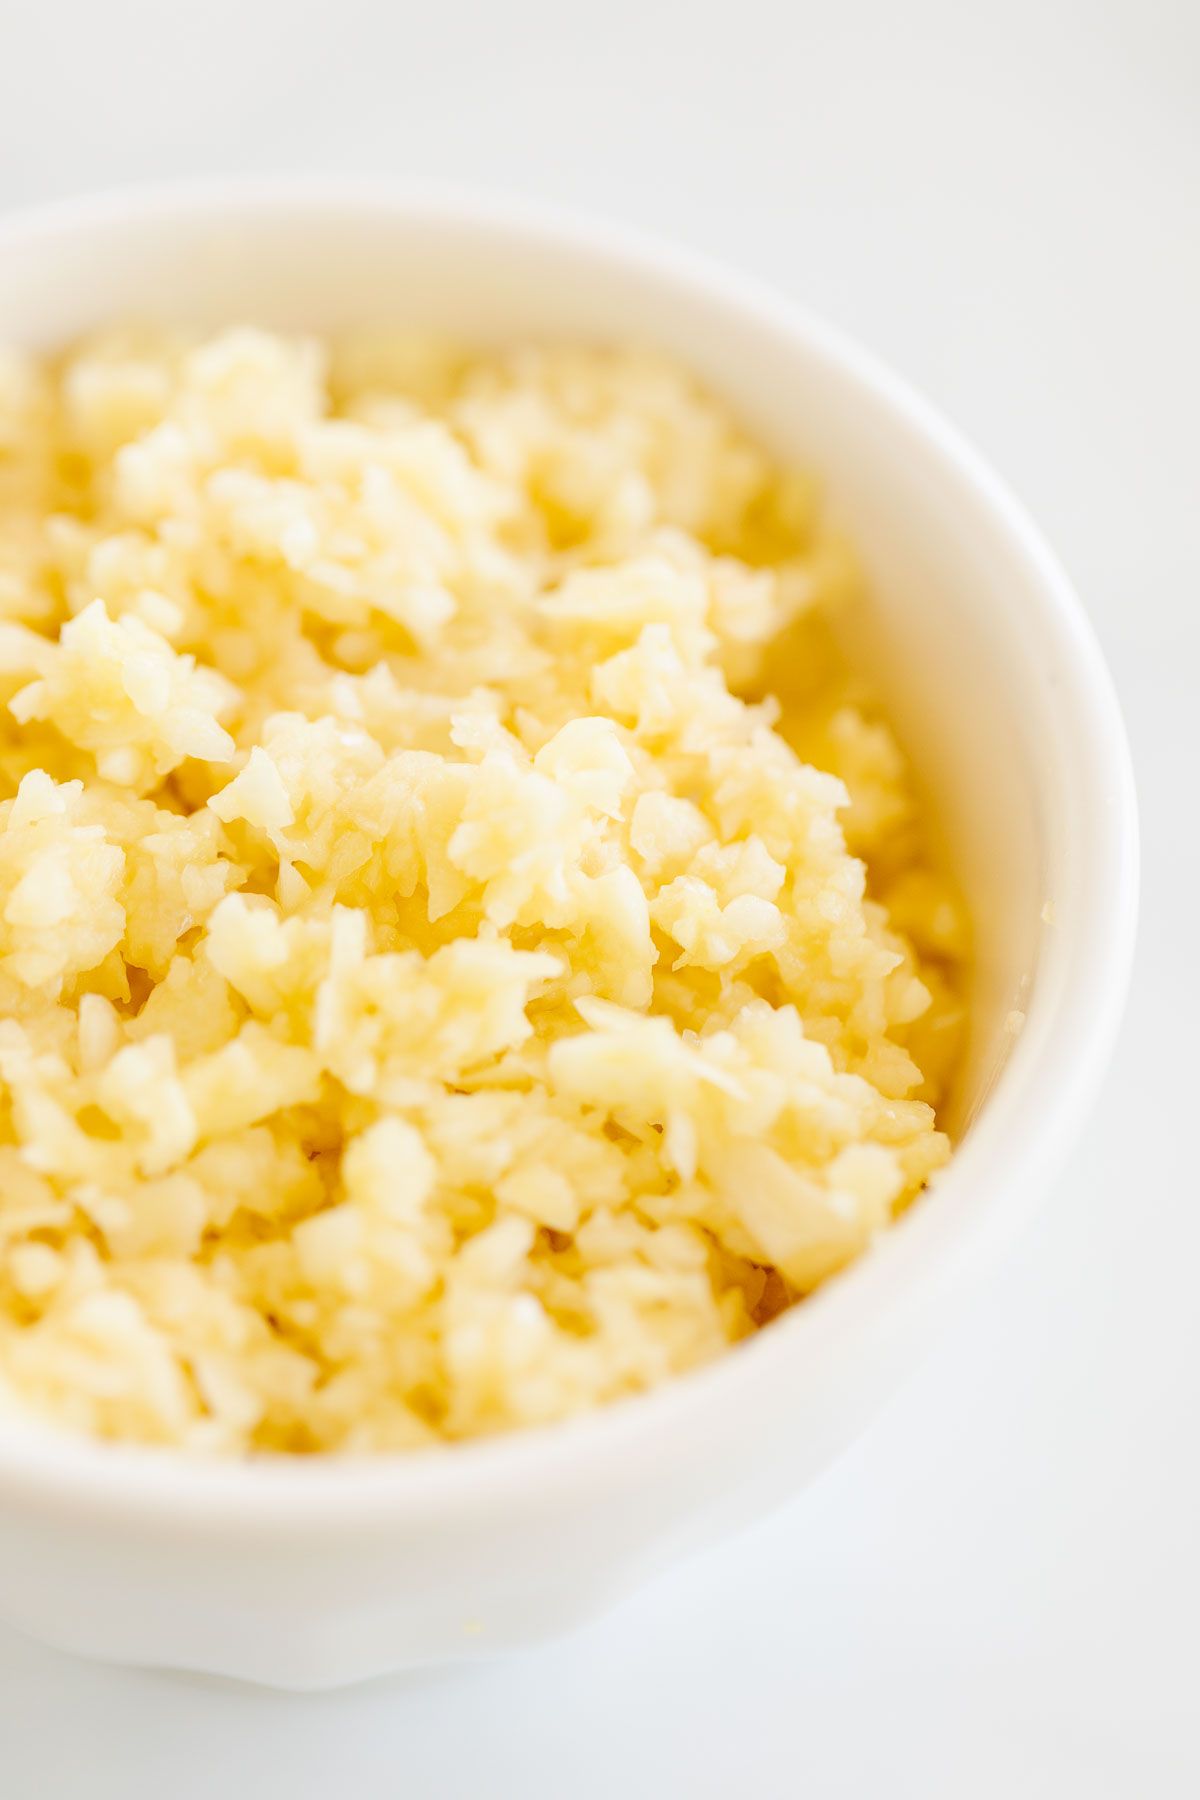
(435, 993)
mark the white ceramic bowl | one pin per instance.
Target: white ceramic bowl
(313, 1574)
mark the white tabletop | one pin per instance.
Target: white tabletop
(994, 1594)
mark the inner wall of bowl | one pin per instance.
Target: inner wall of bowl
(960, 667)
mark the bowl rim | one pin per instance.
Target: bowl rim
(1015, 1145)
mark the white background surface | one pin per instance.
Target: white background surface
(996, 1593)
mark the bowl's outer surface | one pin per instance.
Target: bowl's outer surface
(325, 1573)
